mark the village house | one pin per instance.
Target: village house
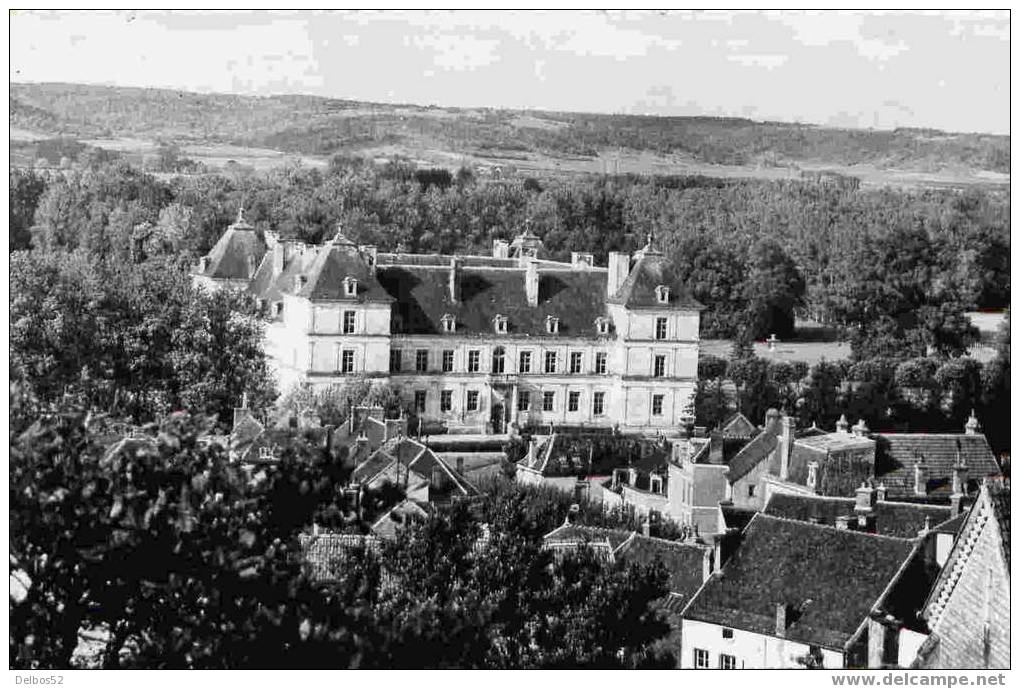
(476, 343)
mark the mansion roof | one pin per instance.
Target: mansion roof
(900, 519)
(897, 453)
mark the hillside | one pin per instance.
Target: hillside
(317, 128)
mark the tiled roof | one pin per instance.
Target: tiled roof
(998, 494)
(835, 442)
(443, 260)
(684, 562)
(755, 451)
(738, 426)
(411, 454)
(899, 519)
(897, 453)
(338, 260)
(397, 517)
(236, 255)
(325, 553)
(577, 534)
(576, 298)
(827, 579)
(651, 270)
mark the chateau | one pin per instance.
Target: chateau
(476, 342)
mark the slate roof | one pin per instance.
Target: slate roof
(337, 260)
(897, 453)
(899, 519)
(576, 534)
(684, 562)
(828, 580)
(738, 426)
(651, 270)
(325, 553)
(577, 298)
(835, 442)
(409, 453)
(756, 451)
(397, 517)
(236, 255)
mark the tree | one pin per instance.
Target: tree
(773, 289)
(332, 404)
(26, 187)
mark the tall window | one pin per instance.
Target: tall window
(395, 356)
(598, 404)
(311, 356)
(575, 362)
(659, 370)
(548, 401)
(348, 322)
(347, 361)
(550, 362)
(419, 400)
(447, 360)
(446, 400)
(472, 400)
(524, 401)
(600, 363)
(660, 328)
(657, 405)
(700, 658)
(498, 360)
(473, 359)
(525, 366)
(421, 360)
(573, 400)
(727, 662)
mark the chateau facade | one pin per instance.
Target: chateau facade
(476, 342)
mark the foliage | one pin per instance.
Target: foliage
(26, 187)
(332, 404)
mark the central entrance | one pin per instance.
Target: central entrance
(498, 418)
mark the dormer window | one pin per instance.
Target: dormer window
(662, 294)
(499, 322)
(350, 287)
(266, 453)
(449, 323)
(299, 282)
(602, 325)
(279, 308)
(552, 325)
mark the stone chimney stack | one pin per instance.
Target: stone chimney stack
(972, 427)
(646, 526)
(959, 482)
(881, 492)
(279, 257)
(920, 478)
(842, 426)
(864, 507)
(574, 514)
(619, 269)
(454, 284)
(781, 620)
(788, 431)
(531, 283)
(861, 429)
(500, 248)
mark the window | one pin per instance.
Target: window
(447, 360)
(524, 401)
(311, 356)
(662, 294)
(500, 321)
(598, 404)
(473, 358)
(421, 360)
(660, 328)
(548, 401)
(573, 400)
(600, 363)
(727, 633)
(347, 361)
(350, 287)
(449, 323)
(700, 658)
(419, 400)
(550, 362)
(279, 308)
(446, 400)
(657, 405)
(552, 325)
(266, 452)
(727, 662)
(659, 370)
(395, 361)
(575, 362)
(602, 325)
(498, 360)
(348, 322)
(525, 366)
(750, 491)
(472, 400)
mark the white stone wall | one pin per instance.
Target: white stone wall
(751, 650)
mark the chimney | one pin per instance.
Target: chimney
(580, 490)
(574, 514)
(631, 476)
(531, 283)
(370, 252)
(242, 412)
(920, 478)
(279, 258)
(706, 563)
(785, 447)
(454, 284)
(203, 264)
(619, 268)
(972, 426)
(500, 248)
(842, 426)
(460, 465)
(812, 476)
(646, 526)
(959, 482)
(781, 620)
(881, 492)
(864, 508)
(926, 528)
(876, 644)
(843, 522)
(861, 429)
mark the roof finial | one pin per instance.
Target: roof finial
(649, 238)
(240, 214)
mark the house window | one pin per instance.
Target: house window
(447, 360)
(700, 658)
(727, 662)
(662, 294)
(602, 326)
(552, 325)
(598, 404)
(421, 360)
(449, 323)
(498, 360)
(347, 361)
(350, 287)
(659, 370)
(750, 491)
(525, 366)
(473, 358)
(446, 400)
(472, 400)
(311, 356)
(548, 401)
(419, 400)
(550, 362)
(348, 322)
(575, 362)
(660, 328)
(573, 400)
(266, 453)
(727, 633)
(600, 363)
(657, 405)
(394, 361)
(524, 401)
(279, 308)
(500, 323)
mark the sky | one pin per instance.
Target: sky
(946, 70)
